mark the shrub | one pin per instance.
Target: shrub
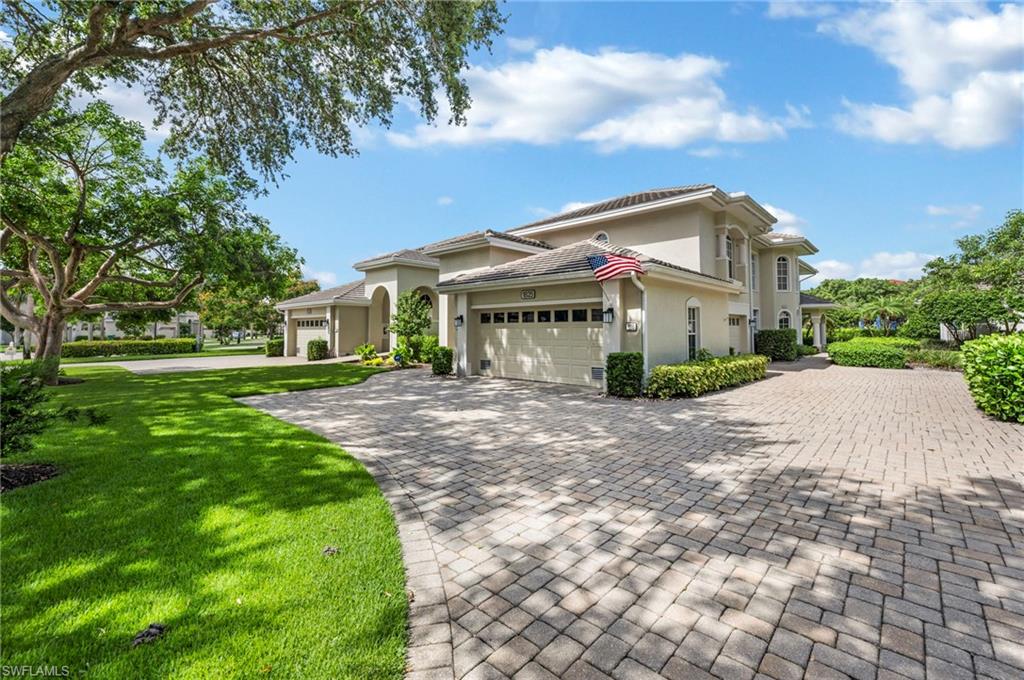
(23, 406)
(903, 343)
(442, 362)
(366, 351)
(108, 348)
(275, 348)
(936, 358)
(79, 338)
(625, 374)
(994, 369)
(695, 378)
(316, 349)
(868, 353)
(703, 354)
(806, 350)
(777, 345)
(427, 348)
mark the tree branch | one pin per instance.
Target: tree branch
(143, 306)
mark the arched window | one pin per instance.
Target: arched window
(692, 328)
(784, 319)
(728, 256)
(425, 299)
(601, 236)
(782, 273)
(753, 271)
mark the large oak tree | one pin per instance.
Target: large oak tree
(245, 81)
(91, 225)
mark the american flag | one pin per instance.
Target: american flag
(609, 266)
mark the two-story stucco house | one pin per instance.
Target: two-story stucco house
(524, 303)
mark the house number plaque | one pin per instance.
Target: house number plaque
(528, 294)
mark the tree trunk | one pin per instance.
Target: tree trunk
(51, 340)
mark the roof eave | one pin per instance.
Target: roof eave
(483, 241)
(663, 272)
(582, 275)
(281, 306)
(381, 263)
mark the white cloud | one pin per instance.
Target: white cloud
(326, 279)
(522, 44)
(963, 215)
(445, 200)
(880, 265)
(800, 10)
(575, 205)
(612, 99)
(788, 222)
(128, 102)
(960, 64)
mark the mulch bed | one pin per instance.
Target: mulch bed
(13, 476)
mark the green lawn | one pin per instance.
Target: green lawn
(193, 511)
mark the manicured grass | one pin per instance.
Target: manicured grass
(191, 510)
(232, 351)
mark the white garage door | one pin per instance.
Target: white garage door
(550, 344)
(306, 330)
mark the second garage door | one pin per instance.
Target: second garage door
(549, 344)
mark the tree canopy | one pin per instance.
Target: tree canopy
(240, 82)
(92, 225)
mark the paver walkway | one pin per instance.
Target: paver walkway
(826, 522)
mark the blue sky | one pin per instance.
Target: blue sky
(880, 132)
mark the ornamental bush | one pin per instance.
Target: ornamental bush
(904, 343)
(441, 364)
(428, 346)
(776, 344)
(936, 358)
(109, 348)
(316, 349)
(994, 370)
(693, 379)
(806, 350)
(366, 351)
(868, 352)
(625, 374)
(275, 347)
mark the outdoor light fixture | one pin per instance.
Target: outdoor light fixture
(459, 320)
(608, 315)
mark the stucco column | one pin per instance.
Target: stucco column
(462, 336)
(332, 333)
(443, 319)
(289, 338)
(816, 325)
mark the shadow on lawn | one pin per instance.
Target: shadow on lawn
(194, 511)
(576, 508)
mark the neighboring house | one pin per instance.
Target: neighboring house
(525, 304)
(106, 328)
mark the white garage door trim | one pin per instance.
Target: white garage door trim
(535, 343)
(306, 331)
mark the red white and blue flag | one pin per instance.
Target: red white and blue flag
(609, 266)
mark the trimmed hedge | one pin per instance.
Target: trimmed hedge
(316, 349)
(441, 364)
(994, 370)
(776, 344)
(867, 352)
(695, 378)
(891, 341)
(625, 374)
(806, 350)
(275, 347)
(109, 348)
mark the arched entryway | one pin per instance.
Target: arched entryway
(430, 298)
(379, 319)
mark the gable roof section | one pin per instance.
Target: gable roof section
(567, 260)
(778, 239)
(808, 300)
(628, 201)
(353, 291)
(484, 236)
(404, 256)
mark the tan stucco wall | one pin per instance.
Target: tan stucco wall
(352, 326)
(666, 311)
(770, 301)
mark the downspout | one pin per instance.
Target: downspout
(643, 319)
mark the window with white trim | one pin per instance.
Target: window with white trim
(784, 319)
(782, 273)
(692, 331)
(753, 271)
(728, 257)
(311, 323)
(755, 318)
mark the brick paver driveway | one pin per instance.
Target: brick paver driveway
(823, 522)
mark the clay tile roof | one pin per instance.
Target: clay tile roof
(486, 233)
(404, 254)
(354, 290)
(565, 260)
(620, 202)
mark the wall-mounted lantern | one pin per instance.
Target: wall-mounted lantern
(608, 315)
(459, 320)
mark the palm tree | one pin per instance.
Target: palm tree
(885, 310)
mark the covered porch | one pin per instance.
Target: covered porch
(814, 310)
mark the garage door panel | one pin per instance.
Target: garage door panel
(554, 352)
